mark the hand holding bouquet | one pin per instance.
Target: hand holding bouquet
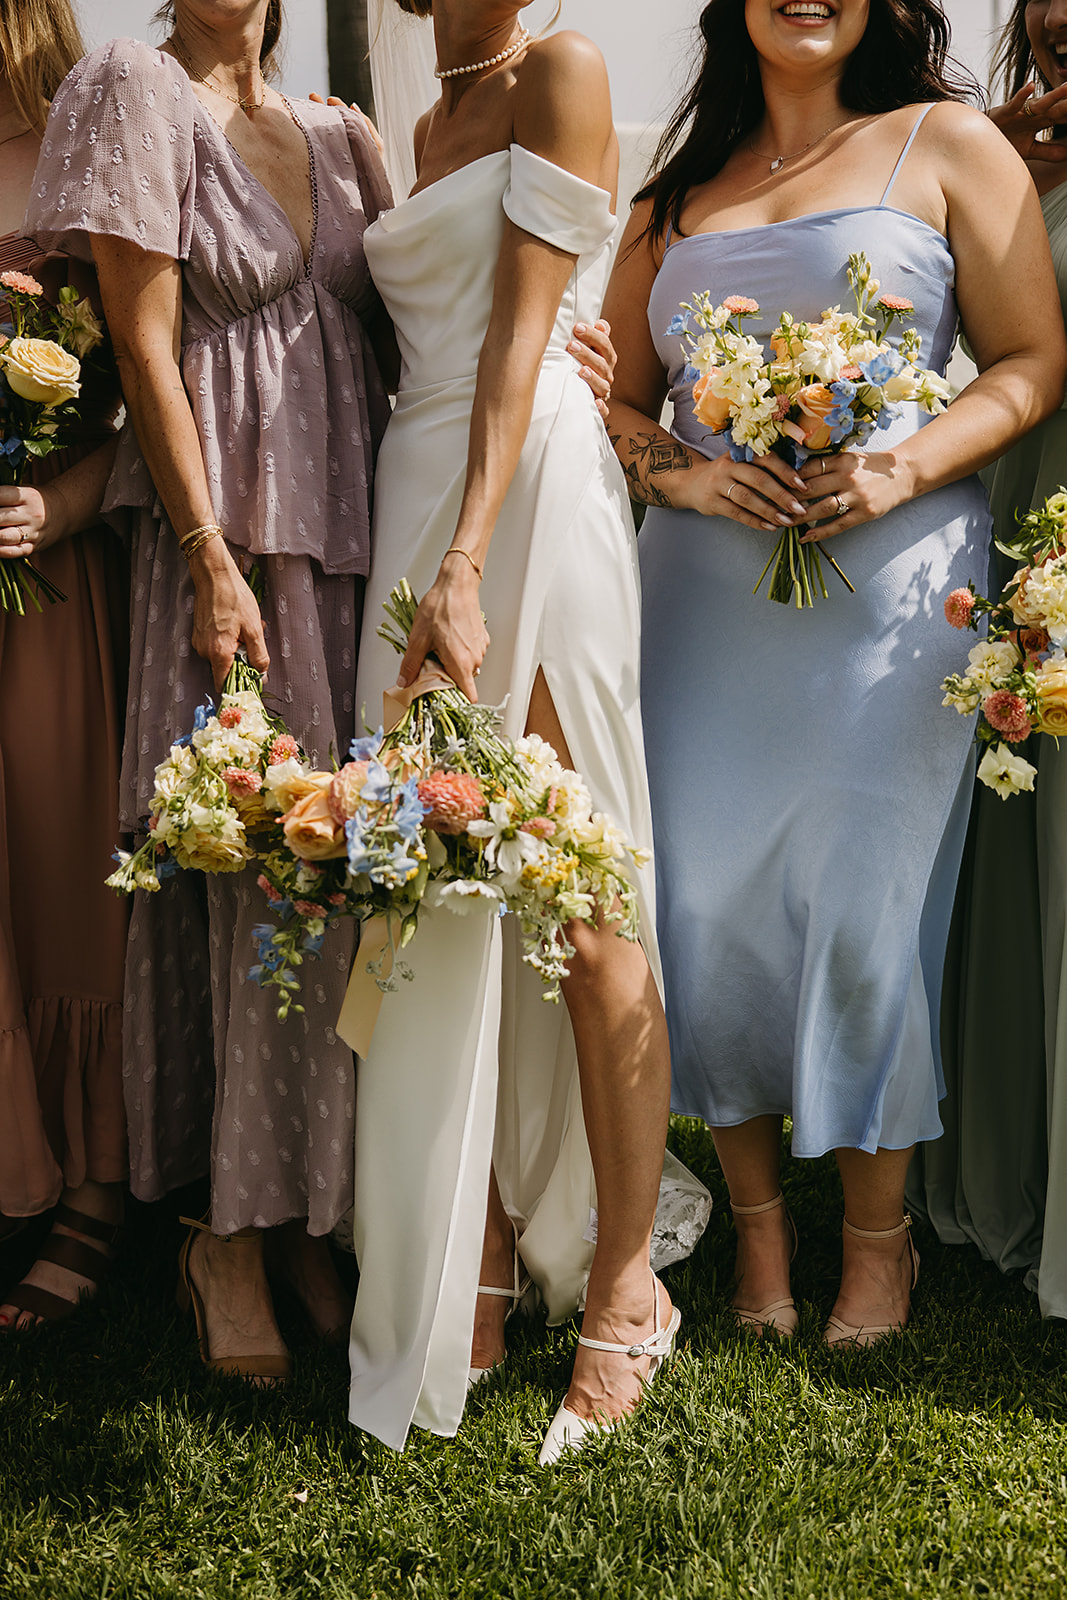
(1016, 677)
(827, 388)
(41, 353)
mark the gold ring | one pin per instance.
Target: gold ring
(1028, 107)
(822, 466)
(730, 491)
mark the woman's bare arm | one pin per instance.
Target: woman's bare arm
(141, 292)
(563, 113)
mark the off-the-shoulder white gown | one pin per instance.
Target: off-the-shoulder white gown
(468, 1063)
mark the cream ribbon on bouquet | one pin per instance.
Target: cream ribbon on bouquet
(372, 970)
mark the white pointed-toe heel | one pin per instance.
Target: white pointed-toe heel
(568, 1431)
(780, 1317)
(516, 1294)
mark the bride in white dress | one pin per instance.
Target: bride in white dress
(497, 493)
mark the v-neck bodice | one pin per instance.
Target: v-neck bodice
(283, 385)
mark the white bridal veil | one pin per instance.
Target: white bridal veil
(402, 60)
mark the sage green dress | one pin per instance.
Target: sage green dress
(998, 1177)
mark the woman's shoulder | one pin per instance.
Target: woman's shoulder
(126, 60)
(567, 57)
(957, 129)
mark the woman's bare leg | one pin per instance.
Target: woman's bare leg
(875, 1273)
(750, 1154)
(498, 1269)
(624, 1067)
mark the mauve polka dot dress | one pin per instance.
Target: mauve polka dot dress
(290, 408)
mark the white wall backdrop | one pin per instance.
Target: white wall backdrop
(647, 42)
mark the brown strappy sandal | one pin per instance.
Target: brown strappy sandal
(264, 1369)
(73, 1255)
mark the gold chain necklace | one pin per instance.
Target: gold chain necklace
(780, 160)
(199, 75)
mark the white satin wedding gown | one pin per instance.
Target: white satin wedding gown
(468, 1063)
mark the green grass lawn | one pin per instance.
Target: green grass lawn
(934, 1466)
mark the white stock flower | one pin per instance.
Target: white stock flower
(991, 662)
(1046, 598)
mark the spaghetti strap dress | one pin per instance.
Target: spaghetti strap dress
(289, 408)
(809, 793)
(468, 1065)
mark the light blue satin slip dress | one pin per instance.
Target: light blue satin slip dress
(809, 791)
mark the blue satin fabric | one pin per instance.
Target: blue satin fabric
(809, 791)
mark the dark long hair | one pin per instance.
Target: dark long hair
(272, 32)
(1014, 62)
(902, 59)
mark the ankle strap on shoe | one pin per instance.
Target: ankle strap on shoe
(878, 1233)
(224, 1238)
(753, 1211)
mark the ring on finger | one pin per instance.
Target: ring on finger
(822, 465)
(1028, 107)
(842, 506)
(730, 491)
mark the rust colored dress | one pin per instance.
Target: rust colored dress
(62, 933)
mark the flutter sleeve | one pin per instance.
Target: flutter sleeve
(117, 155)
(370, 168)
(556, 206)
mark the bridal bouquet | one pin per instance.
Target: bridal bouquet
(220, 790)
(827, 388)
(41, 352)
(1016, 677)
(440, 811)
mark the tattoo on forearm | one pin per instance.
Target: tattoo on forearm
(651, 456)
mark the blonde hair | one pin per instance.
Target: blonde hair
(424, 8)
(39, 43)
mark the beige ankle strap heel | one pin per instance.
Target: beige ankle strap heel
(838, 1332)
(781, 1315)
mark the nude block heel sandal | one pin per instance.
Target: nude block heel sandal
(838, 1332)
(264, 1369)
(781, 1315)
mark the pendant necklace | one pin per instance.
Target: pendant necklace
(198, 75)
(780, 160)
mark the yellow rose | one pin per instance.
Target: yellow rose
(712, 411)
(41, 370)
(310, 831)
(1052, 699)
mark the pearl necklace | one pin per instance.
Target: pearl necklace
(198, 75)
(492, 61)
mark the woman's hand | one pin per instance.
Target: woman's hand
(226, 615)
(592, 347)
(846, 489)
(1021, 125)
(24, 521)
(764, 494)
(449, 625)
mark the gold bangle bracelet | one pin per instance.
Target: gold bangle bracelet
(190, 547)
(457, 550)
(205, 527)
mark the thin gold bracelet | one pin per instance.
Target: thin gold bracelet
(457, 550)
(205, 527)
(189, 546)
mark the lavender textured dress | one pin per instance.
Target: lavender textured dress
(290, 407)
